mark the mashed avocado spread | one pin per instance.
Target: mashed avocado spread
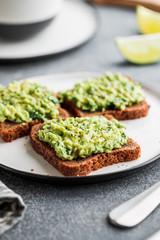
(82, 137)
(26, 101)
(110, 91)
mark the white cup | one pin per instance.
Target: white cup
(19, 12)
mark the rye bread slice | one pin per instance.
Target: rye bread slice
(82, 167)
(10, 131)
(133, 112)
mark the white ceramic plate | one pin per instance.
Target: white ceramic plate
(19, 157)
(76, 24)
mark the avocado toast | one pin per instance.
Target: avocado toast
(111, 94)
(24, 104)
(77, 146)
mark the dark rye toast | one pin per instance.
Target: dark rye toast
(133, 112)
(10, 131)
(82, 167)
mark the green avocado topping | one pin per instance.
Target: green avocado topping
(26, 101)
(110, 91)
(76, 138)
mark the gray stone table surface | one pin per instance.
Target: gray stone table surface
(80, 212)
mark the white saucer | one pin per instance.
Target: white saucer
(76, 24)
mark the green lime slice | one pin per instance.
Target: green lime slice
(148, 20)
(141, 49)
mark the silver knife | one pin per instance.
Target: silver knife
(132, 212)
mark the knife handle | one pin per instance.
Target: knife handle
(132, 212)
(152, 4)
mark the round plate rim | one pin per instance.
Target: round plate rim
(83, 42)
(79, 179)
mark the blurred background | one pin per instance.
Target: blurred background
(39, 37)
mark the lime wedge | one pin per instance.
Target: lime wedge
(141, 49)
(148, 20)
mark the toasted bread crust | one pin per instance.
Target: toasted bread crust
(135, 111)
(82, 167)
(10, 131)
